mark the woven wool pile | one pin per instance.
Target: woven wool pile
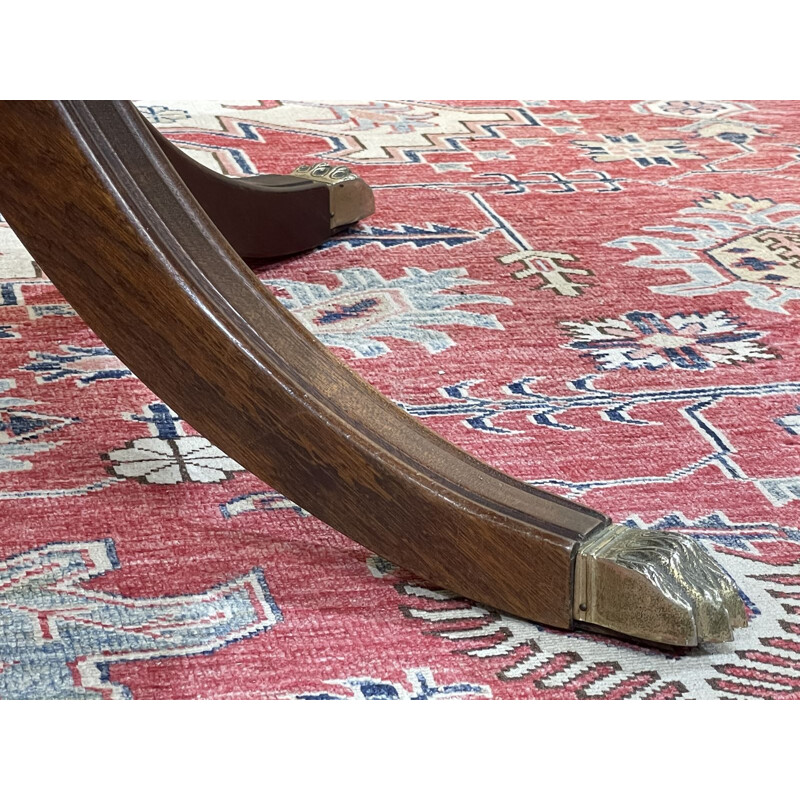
(599, 298)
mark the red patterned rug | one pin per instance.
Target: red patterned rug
(599, 298)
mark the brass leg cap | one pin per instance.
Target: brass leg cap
(351, 197)
(658, 586)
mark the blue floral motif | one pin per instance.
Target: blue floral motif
(366, 307)
(645, 339)
(86, 365)
(423, 687)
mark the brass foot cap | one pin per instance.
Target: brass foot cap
(658, 586)
(351, 197)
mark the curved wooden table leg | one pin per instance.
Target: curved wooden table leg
(267, 216)
(100, 206)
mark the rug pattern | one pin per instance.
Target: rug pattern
(599, 298)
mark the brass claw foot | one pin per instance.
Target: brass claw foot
(658, 586)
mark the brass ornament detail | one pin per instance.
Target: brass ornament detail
(325, 173)
(658, 586)
(351, 198)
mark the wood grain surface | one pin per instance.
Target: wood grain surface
(103, 211)
(263, 216)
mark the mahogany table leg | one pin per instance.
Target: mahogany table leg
(93, 196)
(266, 216)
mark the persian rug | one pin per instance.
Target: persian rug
(599, 298)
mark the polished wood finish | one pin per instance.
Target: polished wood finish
(103, 211)
(263, 216)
